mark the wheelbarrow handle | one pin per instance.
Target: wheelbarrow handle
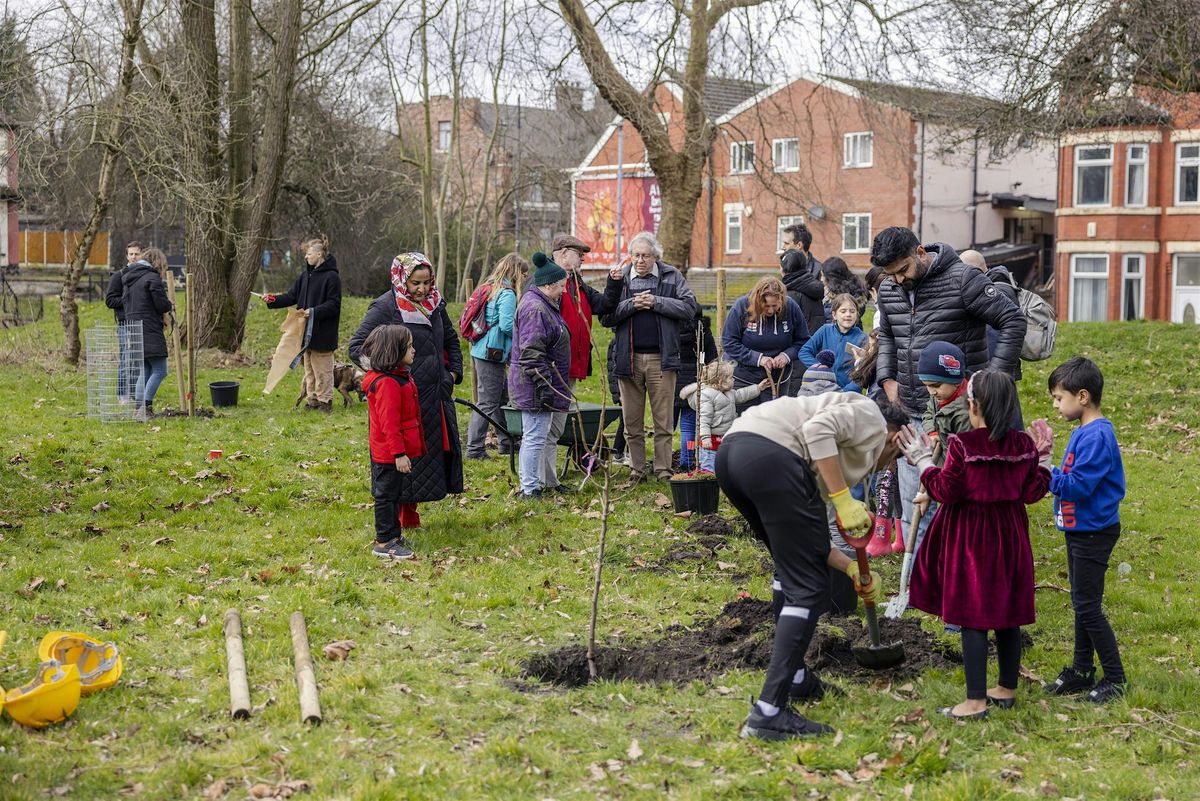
(500, 426)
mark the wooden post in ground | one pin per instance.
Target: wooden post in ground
(720, 305)
(191, 340)
(175, 340)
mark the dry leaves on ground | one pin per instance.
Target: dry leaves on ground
(339, 650)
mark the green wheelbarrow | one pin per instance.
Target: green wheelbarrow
(585, 422)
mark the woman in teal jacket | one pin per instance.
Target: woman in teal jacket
(491, 353)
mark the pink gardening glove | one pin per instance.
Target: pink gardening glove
(1043, 440)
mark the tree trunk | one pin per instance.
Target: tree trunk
(68, 309)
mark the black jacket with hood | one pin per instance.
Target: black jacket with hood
(112, 296)
(320, 289)
(953, 302)
(144, 298)
(1003, 280)
(803, 286)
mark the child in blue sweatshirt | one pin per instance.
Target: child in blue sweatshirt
(834, 337)
(1087, 490)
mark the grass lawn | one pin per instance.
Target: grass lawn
(142, 541)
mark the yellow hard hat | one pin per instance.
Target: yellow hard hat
(99, 663)
(50, 698)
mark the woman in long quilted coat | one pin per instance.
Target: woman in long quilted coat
(414, 301)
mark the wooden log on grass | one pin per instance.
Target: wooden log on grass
(306, 680)
(235, 655)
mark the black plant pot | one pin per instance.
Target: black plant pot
(224, 393)
(698, 495)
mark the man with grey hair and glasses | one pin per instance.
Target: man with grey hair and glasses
(650, 301)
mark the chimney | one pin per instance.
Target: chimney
(568, 96)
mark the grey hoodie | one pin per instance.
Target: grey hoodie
(716, 410)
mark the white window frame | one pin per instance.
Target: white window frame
(1139, 275)
(857, 218)
(739, 163)
(783, 222)
(1088, 276)
(779, 152)
(1081, 163)
(853, 149)
(445, 135)
(1192, 162)
(735, 218)
(1130, 163)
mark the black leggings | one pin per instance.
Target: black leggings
(1087, 560)
(775, 490)
(975, 651)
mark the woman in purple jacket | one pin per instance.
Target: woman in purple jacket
(541, 360)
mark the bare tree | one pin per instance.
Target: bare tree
(108, 140)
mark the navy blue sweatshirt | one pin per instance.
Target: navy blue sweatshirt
(744, 342)
(1089, 486)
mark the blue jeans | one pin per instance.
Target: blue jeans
(124, 384)
(154, 370)
(535, 433)
(909, 480)
(687, 436)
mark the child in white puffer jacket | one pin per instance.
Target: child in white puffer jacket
(715, 401)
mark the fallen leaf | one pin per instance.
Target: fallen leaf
(162, 541)
(1029, 675)
(216, 790)
(101, 507)
(1048, 789)
(634, 752)
(685, 514)
(338, 650)
(264, 576)
(593, 515)
(662, 501)
(33, 586)
(597, 772)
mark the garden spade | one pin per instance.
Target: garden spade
(874, 656)
(897, 605)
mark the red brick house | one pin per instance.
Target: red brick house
(845, 157)
(9, 196)
(1129, 214)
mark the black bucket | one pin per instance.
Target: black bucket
(700, 496)
(224, 393)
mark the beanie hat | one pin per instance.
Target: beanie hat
(942, 362)
(819, 376)
(545, 271)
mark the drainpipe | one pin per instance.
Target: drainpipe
(620, 165)
(711, 189)
(921, 188)
(975, 189)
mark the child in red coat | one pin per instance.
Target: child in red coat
(395, 435)
(975, 569)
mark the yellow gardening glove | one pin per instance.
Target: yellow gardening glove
(851, 513)
(871, 591)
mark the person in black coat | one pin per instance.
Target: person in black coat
(318, 294)
(144, 301)
(112, 299)
(414, 301)
(685, 415)
(801, 275)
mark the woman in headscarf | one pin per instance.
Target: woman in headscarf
(414, 301)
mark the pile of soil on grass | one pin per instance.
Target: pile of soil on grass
(740, 638)
(712, 525)
(183, 413)
(699, 550)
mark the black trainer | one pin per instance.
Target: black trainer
(786, 725)
(393, 549)
(1071, 681)
(812, 689)
(1106, 691)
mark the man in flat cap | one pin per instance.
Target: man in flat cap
(579, 303)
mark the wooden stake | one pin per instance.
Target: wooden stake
(175, 341)
(239, 690)
(306, 680)
(720, 304)
(191, 339)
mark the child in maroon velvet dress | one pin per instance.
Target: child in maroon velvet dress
(975, 569)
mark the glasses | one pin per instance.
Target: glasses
(641, 256)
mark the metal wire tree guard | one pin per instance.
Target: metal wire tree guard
(114, 368)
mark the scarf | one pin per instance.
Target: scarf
(402, 267)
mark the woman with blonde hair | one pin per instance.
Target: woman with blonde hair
(490, 353)
(318, 294)
(763, 335)
(144, 300)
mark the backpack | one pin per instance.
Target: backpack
(1042, 328)
(473, 322)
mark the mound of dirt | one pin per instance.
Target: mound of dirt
(740, 638)
(713, 525)
(208, 413)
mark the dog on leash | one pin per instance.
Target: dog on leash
(346, 379)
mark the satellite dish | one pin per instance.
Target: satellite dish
(817, 213)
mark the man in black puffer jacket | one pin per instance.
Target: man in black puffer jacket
(933, 295)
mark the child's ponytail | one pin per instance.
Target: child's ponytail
(994, 396)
